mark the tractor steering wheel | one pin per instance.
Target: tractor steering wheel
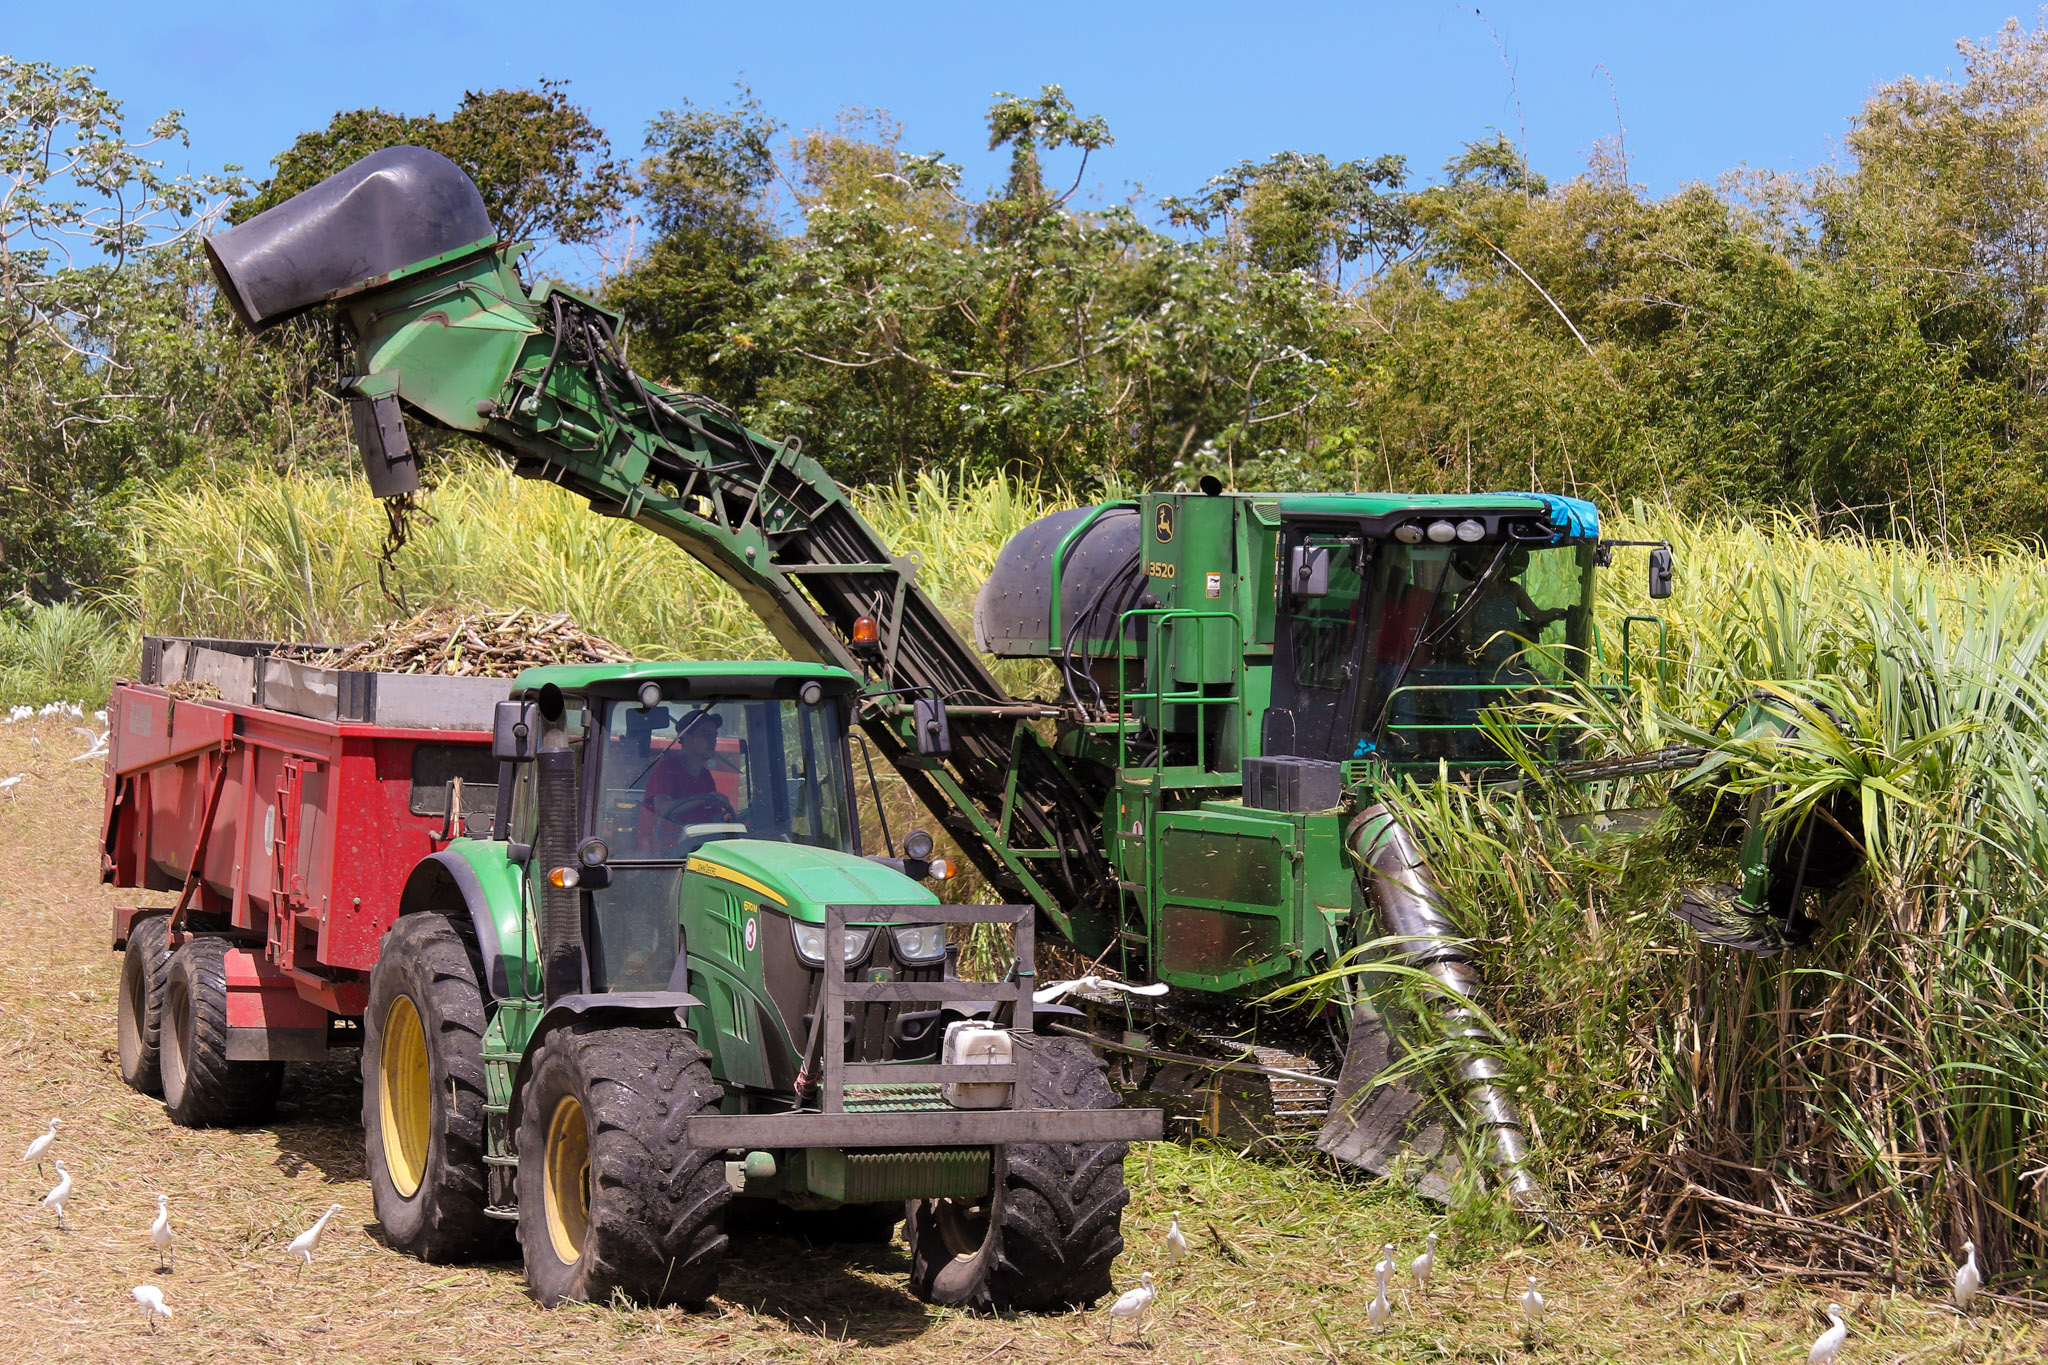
(703, 808)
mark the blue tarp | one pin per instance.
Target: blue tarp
(1574, 518)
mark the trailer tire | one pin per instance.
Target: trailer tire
(423, 1094)
(1046, 1237)
(145, 967)
(202, 1088)
(605, 1173)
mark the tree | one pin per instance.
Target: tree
(706, 180)
(96, 260)
(543, 168)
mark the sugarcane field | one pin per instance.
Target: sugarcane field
(639, 722)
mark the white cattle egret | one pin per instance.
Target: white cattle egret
(40, 1145)
(150, 1300)
(8, 784)
(96, 744)
(1532, 1307)
(305, 1242)
(1132, 1304)
(1046, 995)
(1176, 1242)
(160, 1232)
(1828, 1344)
(1379, 1311)
(1969, 1279)
(56, 1197)
(1424, 1266)
(1384, 1267)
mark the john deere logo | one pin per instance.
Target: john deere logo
(1162, 529)
(881, 974)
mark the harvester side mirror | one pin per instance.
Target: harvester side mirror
(514, 731)
(1661, 571)
(1308, 571)
(928, 719)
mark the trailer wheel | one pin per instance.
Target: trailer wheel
(145, 967)
(610, 1198)
(423, 1094)
(202, 1088)
(1047, 1234)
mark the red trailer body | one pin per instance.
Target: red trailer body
(294, 835)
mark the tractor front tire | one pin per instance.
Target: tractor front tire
(612, 1199)
(145, 967)
(1046, 1236)
(423, 1094)
(202, 1088)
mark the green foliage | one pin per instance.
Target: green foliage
(96, 291)
(706, 177)
(65, 652)
(1890, 1076)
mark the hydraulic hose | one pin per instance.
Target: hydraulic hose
(1411, 909)
(554, 845)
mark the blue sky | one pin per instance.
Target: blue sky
(1188, 89)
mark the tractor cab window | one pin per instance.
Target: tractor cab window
(675, 776)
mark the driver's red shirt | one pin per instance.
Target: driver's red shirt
(671, 781)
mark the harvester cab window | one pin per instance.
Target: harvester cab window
(1414, 641)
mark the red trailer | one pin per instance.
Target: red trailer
(278, 807)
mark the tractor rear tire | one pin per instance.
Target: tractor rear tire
(1046, 1237)
(145, 967)
(611, 1197)
(202, 1088)
(423, 1094)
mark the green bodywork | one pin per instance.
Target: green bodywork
(734, 900)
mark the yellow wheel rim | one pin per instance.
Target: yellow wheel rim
(405, 1096)
(566, 1180)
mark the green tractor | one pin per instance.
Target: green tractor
(671, 980)
(1241, 676)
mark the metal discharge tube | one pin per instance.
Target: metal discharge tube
(1411, 909)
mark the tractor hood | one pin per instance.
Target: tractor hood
(804, 880)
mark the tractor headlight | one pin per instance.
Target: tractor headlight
(920, 942)
(810, 942)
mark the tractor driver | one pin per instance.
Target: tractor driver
(681, 790)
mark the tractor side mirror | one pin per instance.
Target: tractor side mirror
(928, 719)
(1308, 571)
(514, 731)
(1661, 571)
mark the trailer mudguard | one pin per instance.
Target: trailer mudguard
(648, 1009)
(473, 878)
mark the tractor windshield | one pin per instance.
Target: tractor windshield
(1411, 642)
(675, 776)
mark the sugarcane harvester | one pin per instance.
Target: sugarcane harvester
(1240, 673)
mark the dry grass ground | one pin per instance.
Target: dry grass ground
(1281, 1268)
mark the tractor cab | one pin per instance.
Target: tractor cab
(1399, 622)
(671, 763)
